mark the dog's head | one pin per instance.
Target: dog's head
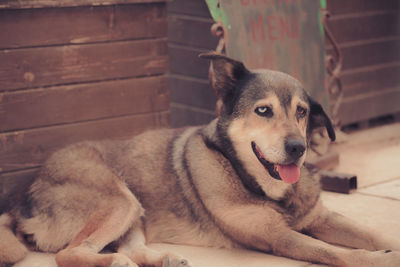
(268, 115)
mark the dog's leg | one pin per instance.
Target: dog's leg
(105, 225)
(11, 249)
(296, 245)
(270, 233)
(134, 246)
(337, 229)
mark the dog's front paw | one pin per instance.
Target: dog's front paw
(175, 262)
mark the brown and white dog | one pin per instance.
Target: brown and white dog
(239, 181)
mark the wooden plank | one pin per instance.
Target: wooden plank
(370, 53)
(192, 92)
(365, 27)
(54, 26)
(355, 6)
(68, 3)
(369, 106)
(370, 78)
(182, 115)
(44, 66)
(186, 61)
(80, 102)
(189, 7)
(29, 148)
(15, 182)
(338, 182)
(191, 32)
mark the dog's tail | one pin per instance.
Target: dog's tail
(11, 249)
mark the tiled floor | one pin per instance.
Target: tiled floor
(374, 155)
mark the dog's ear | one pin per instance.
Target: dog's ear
(318, 118)
(225, 73)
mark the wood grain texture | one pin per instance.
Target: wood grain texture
(194, 8)
(192, 100)
(14, 183)
(186, 115)
(29, 148)
(68, 3)
(370, 78)
(185, 61)
(54, 26)
(360, 6)
(370, 53)
(44, 66)
(191, 31)
(193, 92)
(66, 104)
(367, 106)
(374, 26)
(77, 70)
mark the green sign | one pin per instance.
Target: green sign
(284, 35)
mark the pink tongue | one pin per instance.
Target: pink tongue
(289, 173)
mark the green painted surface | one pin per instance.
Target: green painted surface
(217, 13)
(284, 35)
(322, 3)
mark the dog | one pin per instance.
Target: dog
(238, 182)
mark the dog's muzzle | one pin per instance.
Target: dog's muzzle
(289, 173)
(295, 148)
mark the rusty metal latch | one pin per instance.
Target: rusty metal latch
(218, 30)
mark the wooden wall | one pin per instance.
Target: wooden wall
(75, 73)
(192, 100)
(368, 33)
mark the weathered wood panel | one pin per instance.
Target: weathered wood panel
(14, 182)
(80, 102)
(361, 6)
(77, 70)
(371, 78)
(187, 115)
(31, 27)
(29, 148)
(192, 99)
(370, 53)
(185, 61)
(368, 33)
(34, 67)
(374, 26)
(182, 29)
(364, 107)
(194, 8)
(191, 91)
(68, 3)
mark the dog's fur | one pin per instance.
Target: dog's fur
(204, 186)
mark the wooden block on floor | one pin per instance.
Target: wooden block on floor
(338, 182)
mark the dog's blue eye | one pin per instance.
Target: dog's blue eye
(264, 111)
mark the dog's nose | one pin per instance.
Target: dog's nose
(295, 148)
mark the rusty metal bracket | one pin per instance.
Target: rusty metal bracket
(217, 29)
(333, 65)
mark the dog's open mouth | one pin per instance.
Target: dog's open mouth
(288, 173)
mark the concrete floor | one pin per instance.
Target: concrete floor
(373, 154)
